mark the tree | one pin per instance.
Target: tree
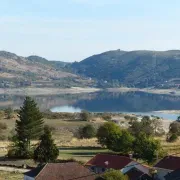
(46, 151)
(146, 147)
(172, 138)
(28, 127)
(123, 143)
(149, 126)
(105, 133)
(84, 116)
(114, 175)
(174, 128)
(111, 136)
(87, 132)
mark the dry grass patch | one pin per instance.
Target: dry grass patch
(10, 176)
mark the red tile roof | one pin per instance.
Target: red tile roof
(62, 171)
(109, 161)
(169, 162)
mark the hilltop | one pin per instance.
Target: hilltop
(132, 68)
(18, 71)
(160, 69)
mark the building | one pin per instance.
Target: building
(102, 162)
(60, 171)
(166, 166)
(173, 175)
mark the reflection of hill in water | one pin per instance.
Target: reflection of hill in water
(44, 102)
(130, 102)
(103, 101)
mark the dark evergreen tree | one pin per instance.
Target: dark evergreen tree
(28, 127)
(46, 151)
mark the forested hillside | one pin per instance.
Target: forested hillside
(133, 68)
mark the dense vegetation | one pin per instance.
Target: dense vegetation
(134, 68)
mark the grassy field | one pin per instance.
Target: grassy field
(10, 176)
(80, 153)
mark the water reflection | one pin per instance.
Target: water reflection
(137, 102)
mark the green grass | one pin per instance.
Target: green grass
(80, 153)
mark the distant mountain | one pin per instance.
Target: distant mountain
(17, 70)
(55, 64)
(132, 68)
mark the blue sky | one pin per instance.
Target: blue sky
(71, 30)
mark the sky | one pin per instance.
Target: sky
(71, 30)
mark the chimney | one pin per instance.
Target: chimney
(131, 155)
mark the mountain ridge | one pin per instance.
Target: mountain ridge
(131, 68)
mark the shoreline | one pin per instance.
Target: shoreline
(173, 92)
(33, 91)
(76, 90)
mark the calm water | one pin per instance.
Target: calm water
(132, 102)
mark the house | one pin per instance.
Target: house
(60, 171)
(173, 175)
(102, 162)
(166, 166)
(136, 174)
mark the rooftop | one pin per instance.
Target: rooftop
(109, 161)
(61, 171)
(169, 162)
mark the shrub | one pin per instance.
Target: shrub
(174, 128)
(172, 138)
(84, 116)
(114, 175)
(3, 126)
(87, 132)
(2, 137)
(106, 117)
(9, 112)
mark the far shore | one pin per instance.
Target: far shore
(175, 92)
(34, 91)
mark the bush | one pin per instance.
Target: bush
(51, 128)
(106, 117)
(114, 175)
(84, 116)
(3, 137)
(172, 138)
(9, 112)
(87, 132)
(3, 126)
(174, 128)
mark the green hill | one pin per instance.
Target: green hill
(131, 68)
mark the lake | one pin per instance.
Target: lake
(130, 102)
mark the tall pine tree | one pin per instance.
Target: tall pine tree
(28, 127)
(46, 151)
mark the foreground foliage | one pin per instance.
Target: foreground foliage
(46, 150)
(114, 175)
(29, 126)
(116, 139)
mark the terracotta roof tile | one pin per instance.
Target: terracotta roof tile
(109, 161)
(64, 171)
(169, 162)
